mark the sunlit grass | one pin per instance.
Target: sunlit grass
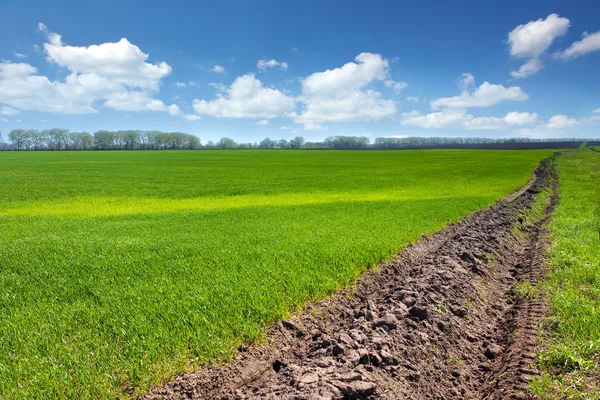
(120, 269)
(571, 355)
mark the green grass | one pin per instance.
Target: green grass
(572, 352)
(120, 269)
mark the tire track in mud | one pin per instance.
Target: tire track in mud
(440, 321)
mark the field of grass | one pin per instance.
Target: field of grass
(571, 355)
(120, 269)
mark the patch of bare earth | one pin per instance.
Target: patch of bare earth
(439, 322)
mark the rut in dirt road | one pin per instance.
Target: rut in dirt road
(438, 322)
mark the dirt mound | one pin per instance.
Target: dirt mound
(439, 322)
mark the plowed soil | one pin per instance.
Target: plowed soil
(440, 321)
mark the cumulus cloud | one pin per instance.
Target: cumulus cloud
(358, 105)
(589, 44)
(528, 69)
(561, 122)
(348, 78)
(531, 40)
(465, 81)
(341, 94)
(262, 122)
(113, 73)
(413, 99)
(22, 88)
(20, 55)
(395, 86)
(5, 110)
(121, 62)
(520, 118)
(557, 125)
(262, 65)
(218, 69)
(485, 95)
(246, 98)
(459, 118)
(179, 84)
(442, 119)
(192, 117)
(138, 101)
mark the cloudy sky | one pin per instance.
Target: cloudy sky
(250, 69)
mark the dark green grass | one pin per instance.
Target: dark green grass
(120, 269)
(572, 352)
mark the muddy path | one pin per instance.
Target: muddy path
(441, 321)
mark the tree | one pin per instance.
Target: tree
(104, 140)
(226, 143)
(17, 137)
(80, 141)
(57, 139)
(283, 144)
(3, 144)
(347, 142)
(297, 142)
(267, 143)
(130, 139)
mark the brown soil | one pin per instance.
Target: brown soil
(441, 321)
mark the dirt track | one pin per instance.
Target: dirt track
(439, 322)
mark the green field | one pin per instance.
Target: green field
(120, 269)
(572, 352)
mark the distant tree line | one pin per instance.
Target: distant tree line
(62, 139)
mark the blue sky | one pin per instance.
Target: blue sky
(313, 68)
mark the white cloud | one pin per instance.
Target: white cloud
(246, 98)
(20, 55)
(520, 118)
(459, 118)
(528, 69)
(465, 81)
(485, 95)
(21, 88)
(36, 48)
(262, 122)
(192, 83)
(396, 86)
(589, 43)
(99, 73)
(192, 117)
(561, 122)
(359, 105)
(441, 119)
(350, 77)
(3, 120)
(558, 125)
(180, 84)
(262, 65)
(139, 101)
(5, 110)
(218, 69)
(121, 62)
(413, 99)
(531, 40)
(285, 128)
(340, 94)
(311, 126)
